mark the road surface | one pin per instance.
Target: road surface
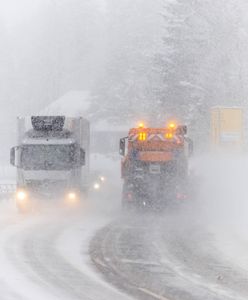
(93, 255)
(45, 256)
(168, 257)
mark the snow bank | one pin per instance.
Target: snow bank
(222, 204)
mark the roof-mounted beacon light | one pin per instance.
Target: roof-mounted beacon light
(172, 125)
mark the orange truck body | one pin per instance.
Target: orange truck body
(155, 164)
(154, 145)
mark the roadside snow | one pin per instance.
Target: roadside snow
(222, 205)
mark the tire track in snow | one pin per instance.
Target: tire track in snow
(137, 254)
(38, 252)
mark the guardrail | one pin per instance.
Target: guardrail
(7, 191)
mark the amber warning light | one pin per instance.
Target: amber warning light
(142, 136)
(172, 126)
(169, 135)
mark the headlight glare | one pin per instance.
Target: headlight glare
(21, 195)
(72, 196)
(96, 186)
(102, 178)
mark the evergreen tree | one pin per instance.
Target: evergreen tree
(203, 62)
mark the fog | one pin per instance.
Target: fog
(181, 57)
(223, 195)
(116, 63)
(49, 48)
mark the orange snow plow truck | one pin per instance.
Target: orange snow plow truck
(155, 165)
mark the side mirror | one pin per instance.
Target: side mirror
(182, 130)
(12, 156)
(15, 156)
(82, 157)
(122, 146)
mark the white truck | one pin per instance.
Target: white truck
(52, 160)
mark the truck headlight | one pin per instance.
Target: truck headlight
(96, 186)
(102, 178)
(21, 196)
(72, 196)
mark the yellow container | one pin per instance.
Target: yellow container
(227, 128)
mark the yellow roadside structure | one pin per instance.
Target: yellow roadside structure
(227, 128)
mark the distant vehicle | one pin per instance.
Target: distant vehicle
(97, 181)
(155, 165)
(227, 128)
(52, 160)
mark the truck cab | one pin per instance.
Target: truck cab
(51, 160)
(154, 164)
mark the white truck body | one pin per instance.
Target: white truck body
(52, 158)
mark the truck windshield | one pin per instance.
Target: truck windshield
(49, 157)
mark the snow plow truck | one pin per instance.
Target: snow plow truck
(52, 160)
(154, 167)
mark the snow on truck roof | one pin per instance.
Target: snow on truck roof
(48, 137)
(51, 141)
(59, 134)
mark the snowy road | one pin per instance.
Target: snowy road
(96, 256)
(46, 257)
(167, 257)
